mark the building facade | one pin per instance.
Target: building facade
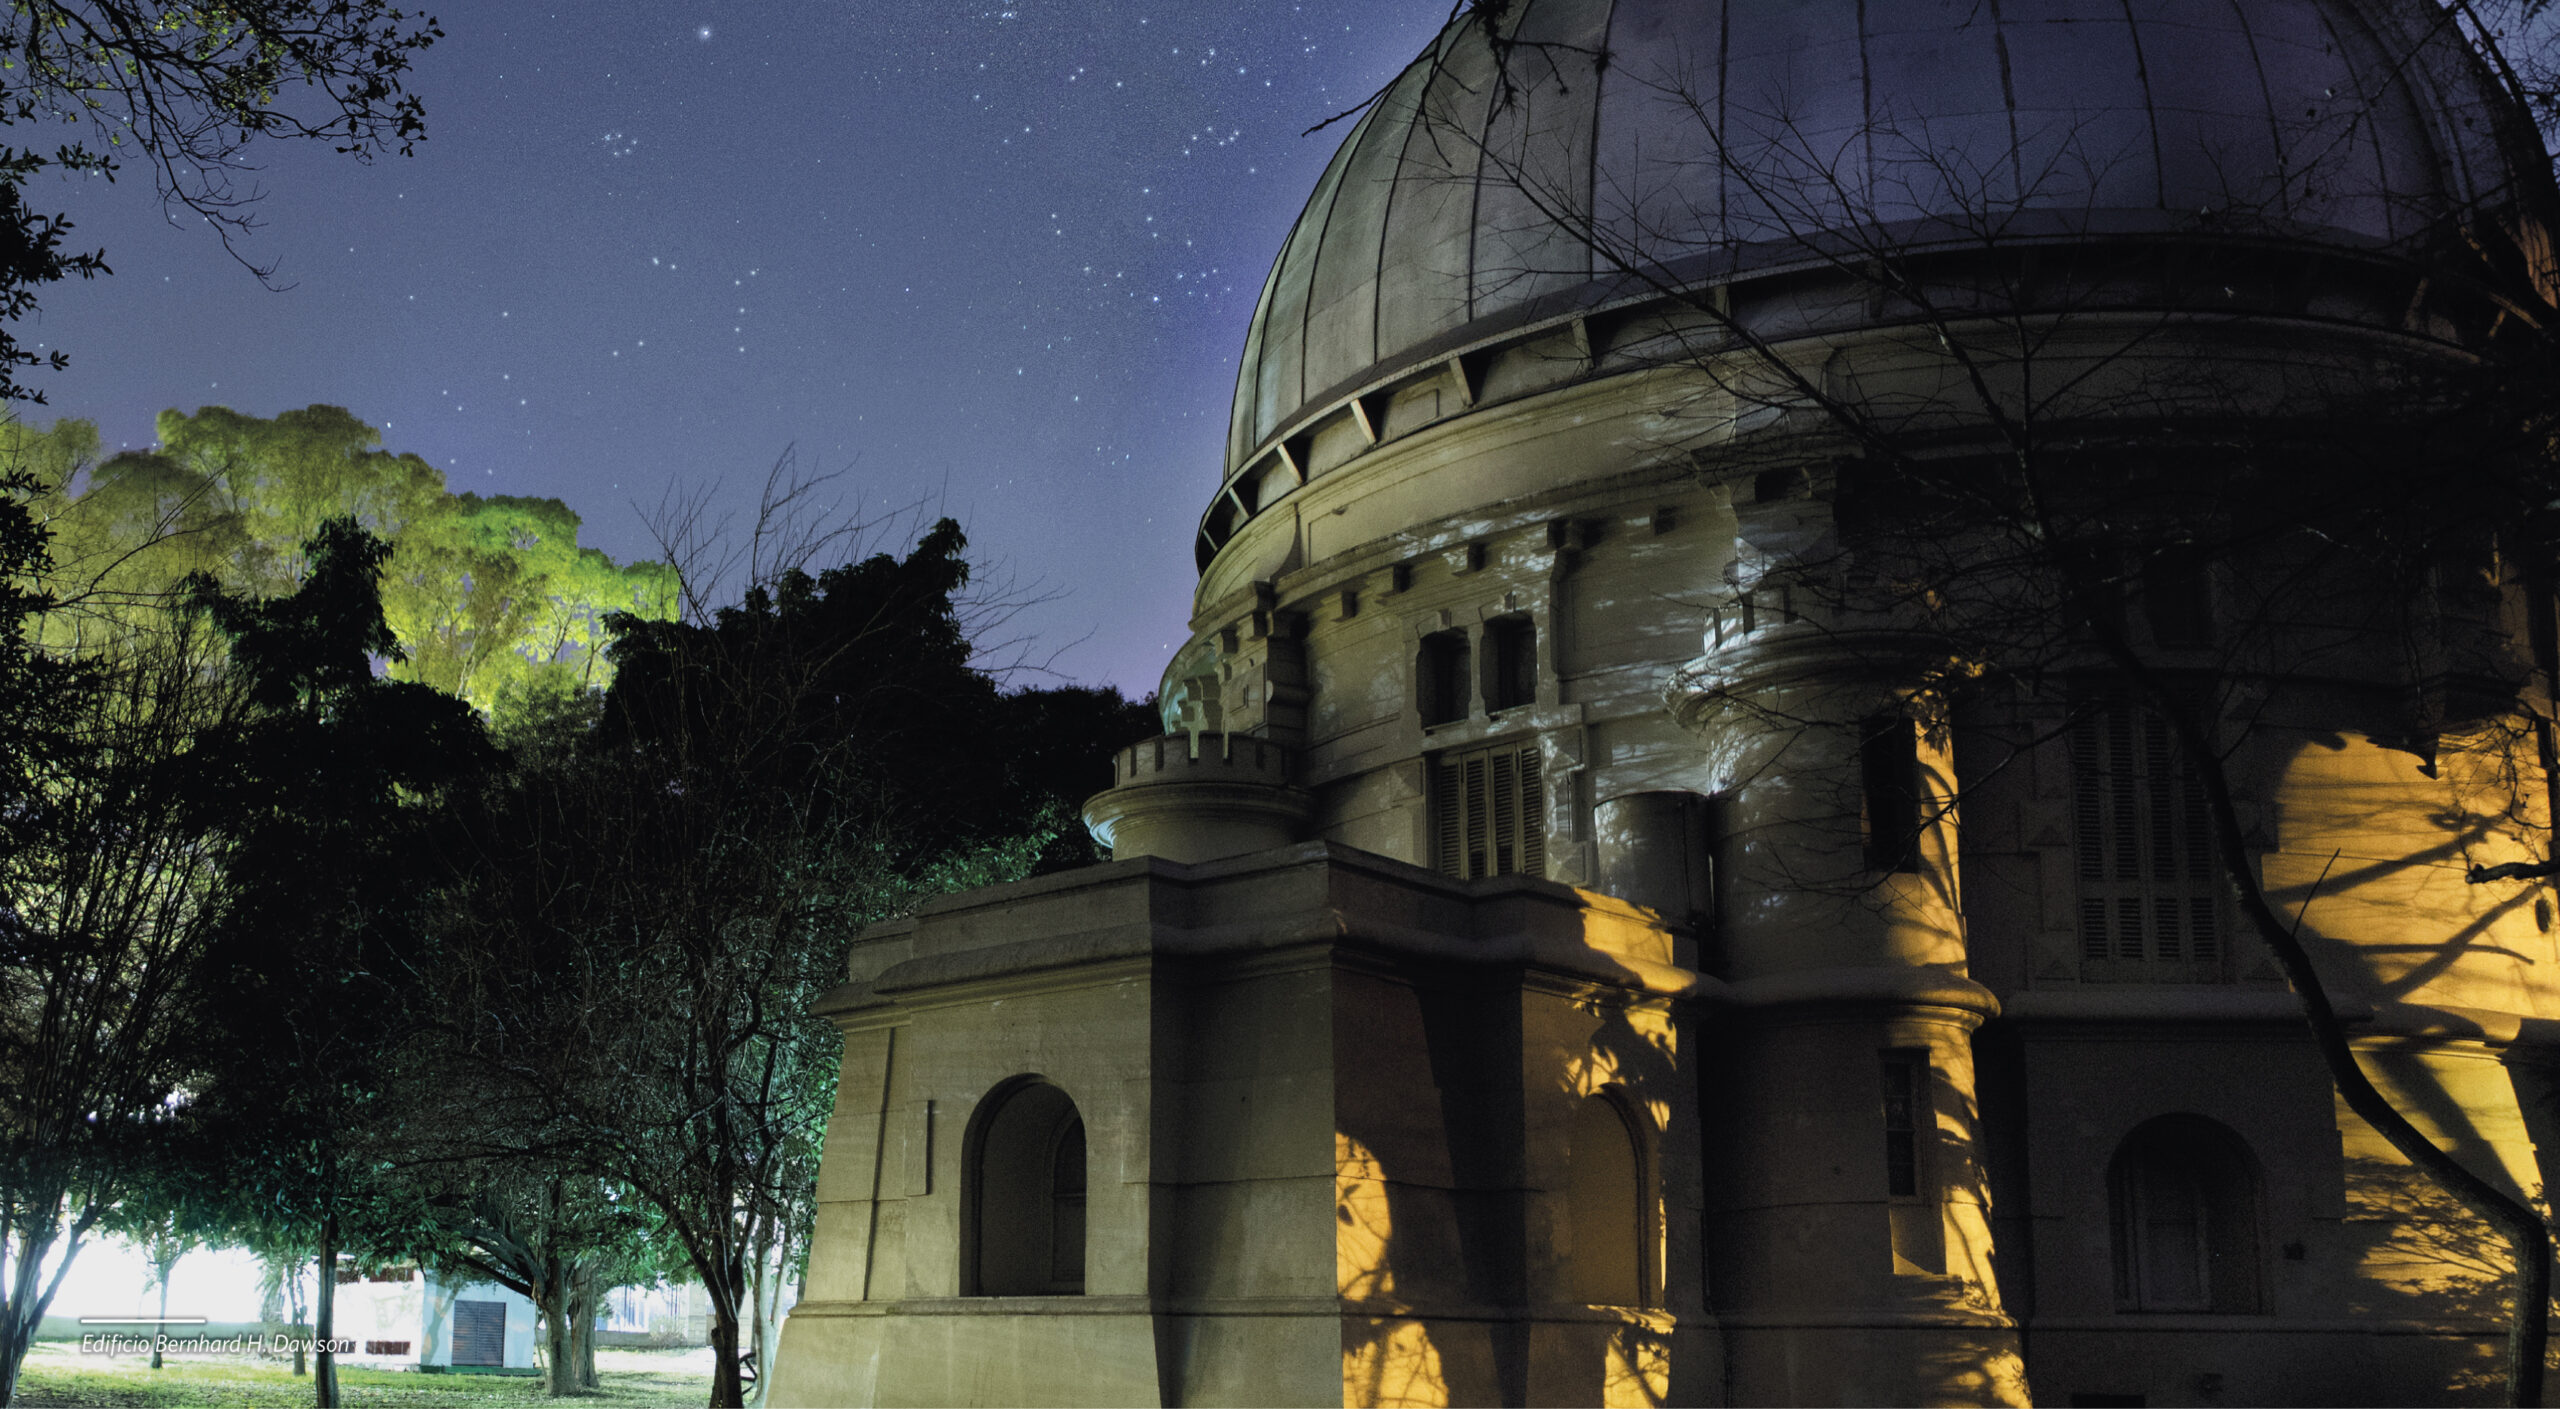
(1640, 901)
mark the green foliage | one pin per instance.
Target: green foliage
(546, 1013)
(491, 599)
(644, 910)
(31, 256)
(498, 604)
(108, 881)
(322, 789)
(37, 690)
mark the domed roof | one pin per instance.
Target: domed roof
(1714, 136)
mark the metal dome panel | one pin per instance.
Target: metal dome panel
(1469, 197)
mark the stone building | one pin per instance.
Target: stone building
(1593, 930)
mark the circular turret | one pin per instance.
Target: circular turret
(1187, 798)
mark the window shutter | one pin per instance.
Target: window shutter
(1488, 813)
(2149, 898)
(1447, 818)
(1533, 816)
(1473, 799)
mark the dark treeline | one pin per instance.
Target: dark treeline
(302, 953)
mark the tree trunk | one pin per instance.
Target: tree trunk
(726, 1391)
(554, 1306)
(583, 1298)
(767, 1293)
(23, 1301)
(300, 1326)
(17, 1325)
(13, 1353)
(324, 1361)
(163, 1270)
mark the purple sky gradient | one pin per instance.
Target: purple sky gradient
(995, 262)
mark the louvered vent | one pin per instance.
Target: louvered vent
(2149, 901)
(479, 1333)
(1488, 813)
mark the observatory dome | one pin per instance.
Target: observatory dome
(1712, 141)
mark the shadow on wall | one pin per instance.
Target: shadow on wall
(1467, 1201)
(2424, 1257)
(2373, 853)
(2397, 920)
(1394, 1364)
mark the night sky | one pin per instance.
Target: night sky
(995, 262)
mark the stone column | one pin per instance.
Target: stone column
(1848, 1207)
(1651, 849)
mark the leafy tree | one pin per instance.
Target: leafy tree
(89, 1016)
(559, 1238)
(324, 787)
(495, 602)
(642, 912)
(284, 1254)
(491, 599)
(109, 879)
(287, 476)
(165, 1218)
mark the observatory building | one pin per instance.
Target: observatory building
(1686, 863)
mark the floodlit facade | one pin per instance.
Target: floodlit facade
(1566, 949)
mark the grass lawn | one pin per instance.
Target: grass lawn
(58, 1374)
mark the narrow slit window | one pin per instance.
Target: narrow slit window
(1889, 758)
(1066, 1209)
(1912, 1214)
(1511, 660)
(1903, 1102)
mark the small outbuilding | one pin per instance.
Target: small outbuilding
(406, 1318)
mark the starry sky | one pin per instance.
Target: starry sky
(990, 261)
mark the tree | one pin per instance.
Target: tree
(324, 788)
(166, 1219)
(284, 1255)
(1991, 462)
(491, 599)
(496, 603)
(187, 91)
(109, 882)
(533, 1223)
(642, 912)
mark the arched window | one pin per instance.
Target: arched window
(2185, 1196)
(1026, 1195)
(1604, 1208)
(1066, 1208)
